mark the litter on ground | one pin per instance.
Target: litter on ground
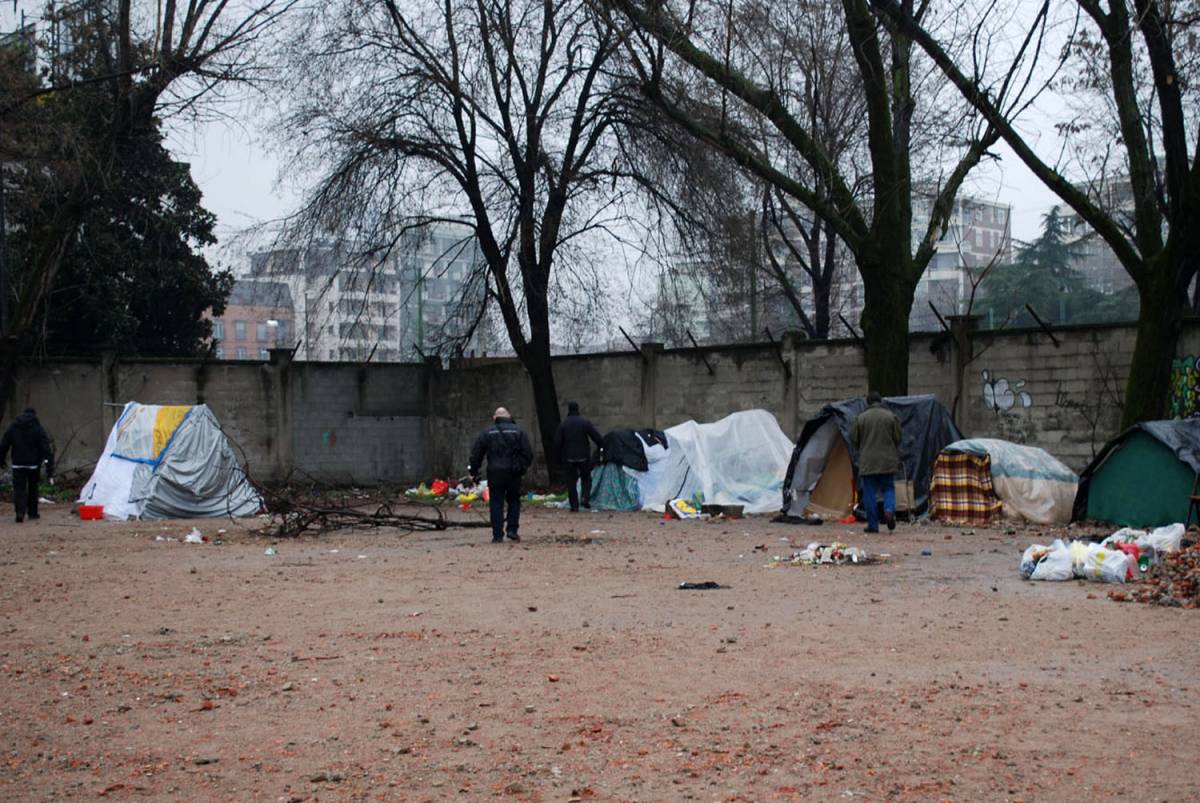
(816, 554)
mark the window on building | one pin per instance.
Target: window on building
(241, 351)
(264, 354)
(283, 333)
(218, 329)
(239, 330)
(260, 331)
(220, 352)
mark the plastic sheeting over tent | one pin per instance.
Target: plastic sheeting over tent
(739, 460)
(1029, 482)
(169, 462)
(1143, 477)
(823, 471)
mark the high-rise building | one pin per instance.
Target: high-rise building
(259, 316)
(420, 299)
(978, 233)
(346, 305)
(443, 284)
(1093, 258)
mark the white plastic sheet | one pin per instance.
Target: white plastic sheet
(739, 460)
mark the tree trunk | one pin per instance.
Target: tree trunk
(888, 300)
(10, 356)
(1161, 309)
(821, 307)
(545, 403)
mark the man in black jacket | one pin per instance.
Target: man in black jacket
(572, 449)
(30, 445)
(508, 453)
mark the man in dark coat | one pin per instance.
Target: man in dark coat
(876, 435)
(30, 446)
(506, 448)
(573, 450)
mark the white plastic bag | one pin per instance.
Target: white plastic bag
(194, 537)
(1047, 562)
(1105, 565)
(1055, 565)
(1127, 535)
(1166, 539)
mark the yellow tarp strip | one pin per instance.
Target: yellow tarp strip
(165, 423)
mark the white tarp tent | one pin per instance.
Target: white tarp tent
(739, 460)
(169, 462)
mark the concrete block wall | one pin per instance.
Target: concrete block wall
(358, 424)
(354, 423)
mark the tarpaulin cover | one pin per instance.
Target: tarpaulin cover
(171, 461)
(1029, 482)
(614, 489)
(927, 428)
(739, 460)
(625, 447)
(1143, 477)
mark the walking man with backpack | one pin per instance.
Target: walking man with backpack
(573, 450)
(30, 446)
(506, 448)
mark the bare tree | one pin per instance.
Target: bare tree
(666, 37)
(1151, 107)
(160, 60)
(501, 112)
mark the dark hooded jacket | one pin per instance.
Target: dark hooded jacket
(29, 443)
(506, 447)
(571, 443)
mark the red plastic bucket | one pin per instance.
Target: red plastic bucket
(91, 512)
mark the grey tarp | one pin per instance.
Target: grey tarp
(200, 476)
(927, 429)
(153, 468)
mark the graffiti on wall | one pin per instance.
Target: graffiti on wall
(1185, 387)
(1001, 396)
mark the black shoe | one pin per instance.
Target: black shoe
(20, 519)
(35, 516)
(587, 505)
(870, 529)
(574, 510)
(497, 540)
(514, 537)
(890, 518)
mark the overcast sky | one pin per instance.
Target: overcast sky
(241, 180)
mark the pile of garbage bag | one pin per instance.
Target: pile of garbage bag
(1121, 557)
(816, 554)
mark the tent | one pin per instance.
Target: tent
(169, 462)
(739, 460)
(976, 481)
(1143, 477)
(822, 477)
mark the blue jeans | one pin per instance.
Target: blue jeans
(872, 485)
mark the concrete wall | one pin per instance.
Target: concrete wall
(354, 423)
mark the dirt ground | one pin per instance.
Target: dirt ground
(432, 666)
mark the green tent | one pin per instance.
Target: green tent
(1143, 477)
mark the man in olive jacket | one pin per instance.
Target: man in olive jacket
(876, 435)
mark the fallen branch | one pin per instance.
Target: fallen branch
(293, 515)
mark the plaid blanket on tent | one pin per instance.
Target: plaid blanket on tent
(962, 492)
